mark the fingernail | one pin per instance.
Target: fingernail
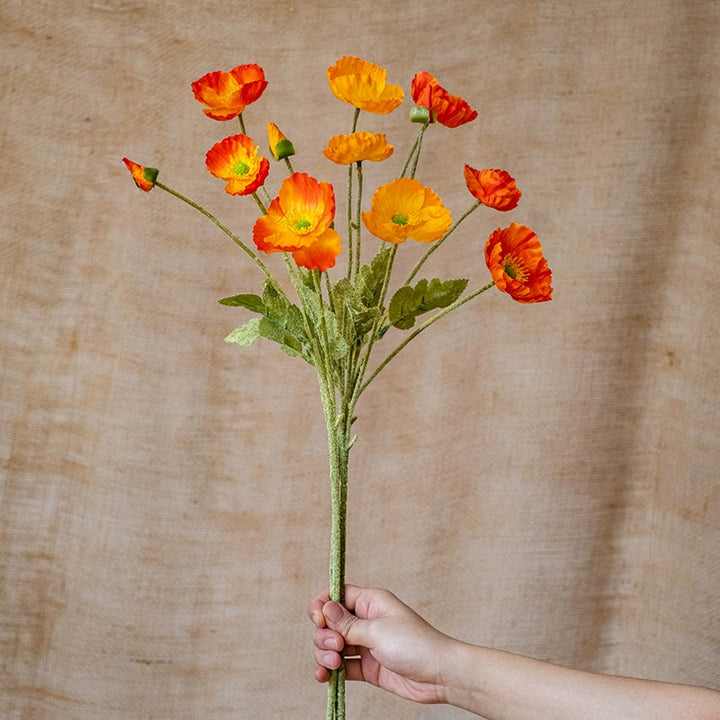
(331, 643)
(333, 611)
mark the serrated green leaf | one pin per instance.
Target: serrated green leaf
(410, 302)
(249, 301)
(281, 313)
(245, 335)
(369, 280)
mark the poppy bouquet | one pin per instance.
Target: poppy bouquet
(335, 324)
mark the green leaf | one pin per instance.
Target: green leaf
(282, 314)
(369, 280)
(319, 312)
(249, 301)
(410, 302)
(245, 335)
(355, 319)
(281, 321)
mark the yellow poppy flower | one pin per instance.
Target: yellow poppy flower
(405, 208)
(347, 149)
(363, 85)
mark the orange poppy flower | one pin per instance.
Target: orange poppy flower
(449, 110)
(144, 177)
(347, 149)
(515, 259)
(298, 221)
(236, 160)
(363, 85)
(280, 146)
(226, 94)
(405, 208)
(321, 254)
(494, 188)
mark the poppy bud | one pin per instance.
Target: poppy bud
(280, 146)
(420, 114)
(144, 177)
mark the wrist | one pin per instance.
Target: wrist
(458, 670)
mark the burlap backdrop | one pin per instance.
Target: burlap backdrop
(538, 478)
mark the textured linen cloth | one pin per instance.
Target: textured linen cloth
(540, 478)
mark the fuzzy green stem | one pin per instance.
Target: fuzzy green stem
(437, 244)
(289, 165)
(225, 229)
(260, 203)
(350, 221)
(358, 216)
(414, 152)
(419, 148)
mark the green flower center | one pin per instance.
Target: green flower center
(241, 168)
(515, 268)
(400, 219)
(302, 224)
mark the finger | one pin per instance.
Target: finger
(322, 674)
(353, 669)
(326, 639)
(328, 659)
(315, 610)
(353, 630)
(352, 593)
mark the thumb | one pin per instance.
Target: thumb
(351, 627)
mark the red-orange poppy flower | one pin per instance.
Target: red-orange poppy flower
(236, 159)
(347, 149)
(449, 110)
(226, 94)
(144, 177)
(364, 85)
(494, 188)
(298, 221)
(405, 208)
(515, 259)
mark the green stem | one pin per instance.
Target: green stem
(419, 148)
(289, 165)
(260, 203)
(350, 221)
(422, 327)
(358, 211)
(225, 229)
(242, 124)
(338, 424)
(357, 379)
(414, 152)
(437, 244)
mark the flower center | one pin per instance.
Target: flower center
(515, 268)
(400, 219)
(241, 168)
(302, 224)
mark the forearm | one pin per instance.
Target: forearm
(502, 686)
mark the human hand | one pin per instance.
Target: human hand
(382, 641)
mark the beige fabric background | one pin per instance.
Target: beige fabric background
(538, 478)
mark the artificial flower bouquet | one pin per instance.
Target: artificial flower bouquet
(334, 324)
